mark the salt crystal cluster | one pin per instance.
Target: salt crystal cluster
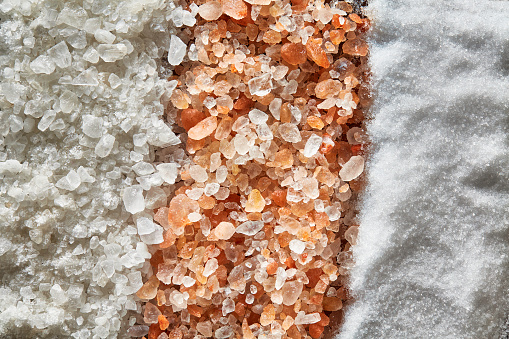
(257, 235)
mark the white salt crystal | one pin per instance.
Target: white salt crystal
(84, 175)
(250, 227)
(261, 85)
(92, 126)
(312, 145)
(221, 173)
(145, 226)
(103, 36)
(114, 80)
(352, 168)
(188, 281)
(194, 217)
(241, 144)
(68, 101)
(289, 132)
(153, 238)
(105, 145)
(264, 132)
(143, 168)
(297, 246)
(168, 172)
(211, 189)
(111, 52)
(70, 182)
(133, 199)
(58, 294)
(303, 319)
(228, 306)
(10, 166)
(258, 117)
(177, 51)
(42, 64)
(46, 120)
(91, 55)
(60, 55)
(72, 15)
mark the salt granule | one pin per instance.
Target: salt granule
(177, 51)
(312, 145)
(133, 199)
(352, 168)
(105, 145)
(43, 64)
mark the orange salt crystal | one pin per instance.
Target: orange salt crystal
(187, 251)
(206, 203)
(169, 239)
(180, 208)
(203, 129)
(272, 37)
(286, 113)
(255, 202)
(283, 159)
(316, 53)
(236, 9)
(246, 331)
(179, 99)
(272, 268)
(195, 310)
(299, 5)
(163, 322)
(149, 289)
(268, 315)
(315, 330)
(337, 21)
(252, 31)
(240, 309)
(279, 197)
(356, 47)
(294, 53)
(332, 304)
(337, 36)
(315, 122)
(154, 331)
(327, 88)
(224, 128)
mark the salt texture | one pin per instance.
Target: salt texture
(77, 81)
(431, 259)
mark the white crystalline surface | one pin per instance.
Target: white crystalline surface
(432, 255)
(82, 93)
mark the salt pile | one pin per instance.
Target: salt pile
(431, 260)
(80, 112)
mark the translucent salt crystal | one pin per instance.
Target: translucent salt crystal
(210, 11)
(105, 145)
(198, 173)
(151, 313)
(289, 132)
(194, 217)
(333, 213)
(228, 306)
(224, 230)
(58, 294)
(133, 199)
(188, 281)
(210, 267)
(250, 227)
(60, 55)
(275, 108)
(177, 51)
(355, 136)
(203, 129)
(42, 64)
(261, 85)
(87, 78)
(221, 173)
(91, 55)
(280, 278)
(211, 189)
(351, 234)
(70, 182)
(352, 168)
(312, 145)
(168, 172)
(268, 315)
(104, 37)
(291, 292)
(145, 226)
(223, 332)
(72, 15)
(215, 161)
(92, 126)
(257, 117)
(240, 123)
(68, 101)
(264, 132)
(255, 202)
(241, 144)
(304, 319)
(163, 335)
(112, 52)
(205, 328)
(138, 330)
(310, 187)
(178, 300)
(143, 168)
(324, 15)
(297, 246)
(149, 289)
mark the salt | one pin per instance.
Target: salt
(312, 145)
(352, 168)
(177, 51)
(133, 199)
(105, 145)
(42, 64)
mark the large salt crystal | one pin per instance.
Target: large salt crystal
(241, 144)
(46, 120)
(211, 10)
(352, 168)
(60, 55)
(92, 126)
(112, 52)
(224, 230)
(250, 227)
(304, 319)
(68, 101)
(297, 246)
(258, 117)
(70, 182)
(289, 132)
(261, 85)
(58, 294)
(210, 267)
(168, 171)
(177, 51)
(145, 226)
(155, 237)
(198, 173)
(291, 292)
(10, 166)
(143, 168)
(203, 129)
(42, 64)
(72, 15)
(105, 145)
(103, 36)
(312, 145)
(133, 199)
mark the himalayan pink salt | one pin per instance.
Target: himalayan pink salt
(224, 230)
(237, 9)
(352, 169)
(332, 304)
(316, 53)
(327, 88)
(268, 315)
(151, 314)
(149, 289)
(291, 292)
(357, 47)
(203, 129)
(180, 208)
(190, 117)
(351, 234)
(210, 11)
(255, 202)
(294, 53)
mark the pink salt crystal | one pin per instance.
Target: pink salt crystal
(237, 9)
(352, 169)
(255, 202)
(151, 313)
(224, 230)
(149, 289)
(210, 11)
(205, 328)
(236, 278)
(180, 208)
(161, 217)
(291, 292)
(203, 129)
(304, 319)
(210, 267)
(351, 234)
